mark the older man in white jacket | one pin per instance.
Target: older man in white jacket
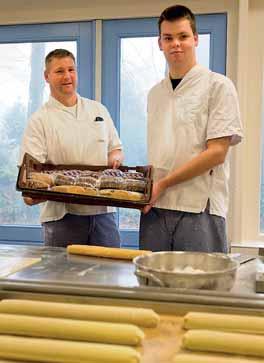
(70, 129)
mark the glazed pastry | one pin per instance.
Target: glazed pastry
(71, 173)
(61, 179)
(36, 184)
(89, 191)
(86, 181)
(135, 185)
(111, 182)
(95, 174)
(42, 177)
(73, 189)
(113, 172)
(121, 194)
(133, 175)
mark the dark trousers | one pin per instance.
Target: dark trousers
(99, 230)
(169, 230)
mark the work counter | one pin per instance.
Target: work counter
(59, 273)
(50, 274)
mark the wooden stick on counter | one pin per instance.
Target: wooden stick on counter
(107, 252)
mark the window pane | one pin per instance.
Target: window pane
(142, 66)
(23, 91)
(203, 50)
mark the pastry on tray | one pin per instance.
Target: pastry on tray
(74, 189)
(121, 194)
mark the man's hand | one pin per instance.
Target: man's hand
(115, 158)
(32, 201)
(116, 163)
(157, 189)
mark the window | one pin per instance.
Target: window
(22, 91)
(132, 64)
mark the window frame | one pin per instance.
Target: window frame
(112, 33)
(84, 35)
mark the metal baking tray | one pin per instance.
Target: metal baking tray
(30, 164)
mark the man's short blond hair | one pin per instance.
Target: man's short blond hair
(58, 53)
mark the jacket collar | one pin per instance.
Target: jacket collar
(194, 72)
(55, 103)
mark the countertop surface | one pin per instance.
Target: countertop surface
(56, 267)
(55, 274)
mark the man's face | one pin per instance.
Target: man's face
(61, 75)
(178, 42)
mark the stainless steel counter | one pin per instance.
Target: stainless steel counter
(72, 275)
(56, 266)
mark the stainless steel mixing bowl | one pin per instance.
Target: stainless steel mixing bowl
(157, 269)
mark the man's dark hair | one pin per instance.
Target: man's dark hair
(177, 12)
(58, 53)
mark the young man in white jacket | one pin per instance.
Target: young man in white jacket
(193, 119)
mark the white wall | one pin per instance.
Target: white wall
(252, 121)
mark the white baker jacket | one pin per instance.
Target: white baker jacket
(55, 135)
(203, 106)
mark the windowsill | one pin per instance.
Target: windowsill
(255, 248)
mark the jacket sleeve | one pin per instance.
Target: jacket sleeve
(34, 140)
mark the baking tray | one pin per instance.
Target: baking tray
(30, 164)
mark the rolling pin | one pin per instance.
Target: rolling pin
(107, 252)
